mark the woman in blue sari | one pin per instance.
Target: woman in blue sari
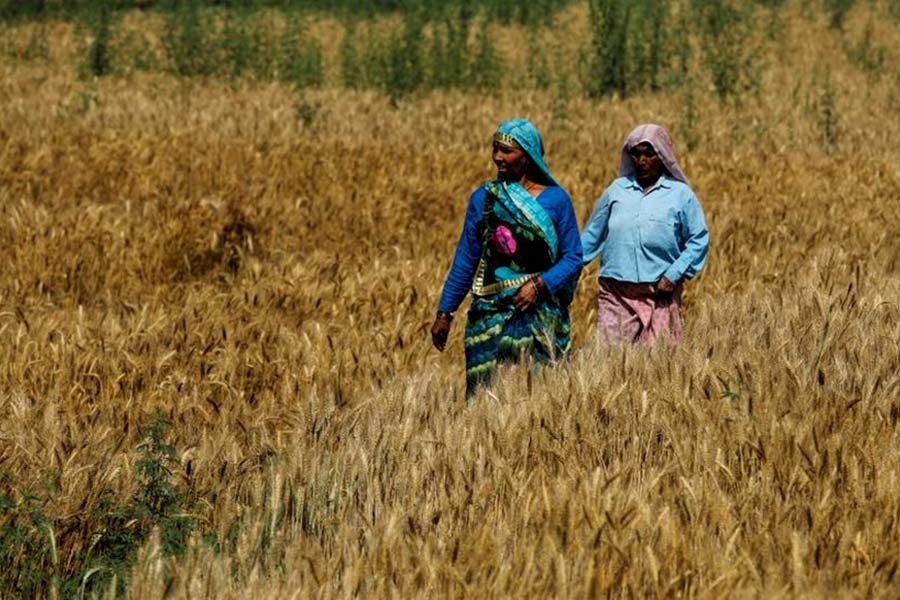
(520, 255)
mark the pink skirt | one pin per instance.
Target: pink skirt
(636, 313)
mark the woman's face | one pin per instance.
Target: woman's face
(512, 163)
(647, 165)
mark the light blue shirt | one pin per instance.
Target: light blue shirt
(643, 236)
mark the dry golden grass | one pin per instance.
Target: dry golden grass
(195, 248)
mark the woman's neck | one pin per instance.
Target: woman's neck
(532, 187)
(648, 185)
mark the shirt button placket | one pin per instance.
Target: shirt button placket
(639, 229)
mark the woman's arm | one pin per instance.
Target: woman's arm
(569, 258)
(595, 229)
(694, 241)
(465, 261)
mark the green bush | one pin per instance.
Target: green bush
(300, 61)
(629, 47)
(866, 54)
(609, 26)
(188, 40)
(27, 560)
(403, 65)
(235, 41)
(99, 60)
(837, 12)
(352, 69)
(441, 55)
(521, 11)
(729, 52)
(828, 114)
(485, 72)
(448, 54)
(30, 562)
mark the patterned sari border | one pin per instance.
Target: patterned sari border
(518, 201)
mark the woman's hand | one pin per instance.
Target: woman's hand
(440, 330)
(527, 296)
(664, 286)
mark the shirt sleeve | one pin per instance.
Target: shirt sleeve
(568, 263)
(465, 260)
(694, 241)
(595, 229)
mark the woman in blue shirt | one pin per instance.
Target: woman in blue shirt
(520, 255)
(650, 232)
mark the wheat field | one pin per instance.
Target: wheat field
(262, 283)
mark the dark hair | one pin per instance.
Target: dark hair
(535, 174)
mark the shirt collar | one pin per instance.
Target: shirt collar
(664, 181)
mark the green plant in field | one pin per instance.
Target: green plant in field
(99, 59)
(524, 12)
(506, 11)
(828, 114)
(156, 504)
(729, 53)
(866, 54)
(300, 60)
(447, 53)
(120, 530)
(188, 40)
(137, 52)
(235, 42)
(837, 12)
(646, 55)
(306, 112)
(609, 26)
(351, 66)
(775, 27)
(443, 57)
(539, 71)
(485, 71)
(562, 93)
(16, 10)
(629, 47)
(29, 560)
(690, 118)
(680, 50)
(158, 501)
(893, 9)
(404, 73)
(265, 35)
(38, 46)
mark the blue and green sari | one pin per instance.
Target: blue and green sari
(519, 242)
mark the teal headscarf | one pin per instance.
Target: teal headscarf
(527, 137)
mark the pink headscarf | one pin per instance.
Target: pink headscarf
(657, 137)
